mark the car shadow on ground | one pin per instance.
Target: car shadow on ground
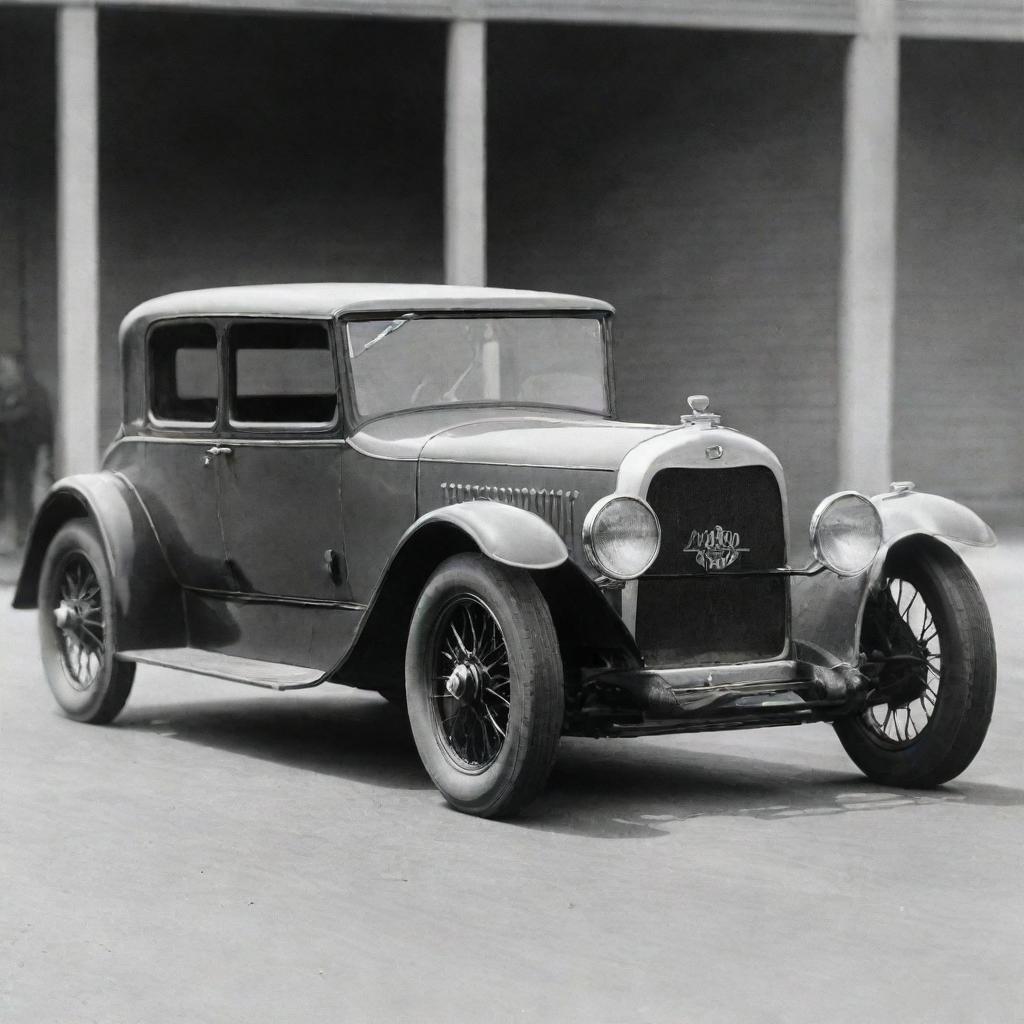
(366, 740)
(602, 789)
(642, 790)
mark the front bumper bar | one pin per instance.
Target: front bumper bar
(708, 697)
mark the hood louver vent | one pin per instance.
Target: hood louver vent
(555, 506)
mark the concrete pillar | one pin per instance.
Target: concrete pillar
(77, 241)
(465, 159)
(868, 271)
(13, 111)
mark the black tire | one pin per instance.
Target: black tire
(959, 683)
(89, 684)
(490, 749)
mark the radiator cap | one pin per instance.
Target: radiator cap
(698, 414)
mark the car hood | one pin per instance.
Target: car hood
(503, 437)
(537, 441)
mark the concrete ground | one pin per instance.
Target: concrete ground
(224, 854)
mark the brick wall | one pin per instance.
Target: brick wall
(693, 180)
(240, 150)
(959, 416)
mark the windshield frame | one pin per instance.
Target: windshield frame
(357, 420)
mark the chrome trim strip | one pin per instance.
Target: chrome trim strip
(256, 598)
(249, 442)
(811, 569)
(517, 465)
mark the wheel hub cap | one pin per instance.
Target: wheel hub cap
(67, 616)
(465, 683)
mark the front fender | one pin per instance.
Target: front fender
(505, 533)
(147, 599)
(827, 609)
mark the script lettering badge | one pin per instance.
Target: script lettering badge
(715, 548)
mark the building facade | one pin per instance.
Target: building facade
(811, 211)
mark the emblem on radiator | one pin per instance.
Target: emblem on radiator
(715, 548)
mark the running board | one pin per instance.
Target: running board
(268, 674)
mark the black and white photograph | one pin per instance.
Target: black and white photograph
(511, 512)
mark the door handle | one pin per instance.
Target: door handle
(217, 449)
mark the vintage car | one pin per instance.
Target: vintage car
(424, 491)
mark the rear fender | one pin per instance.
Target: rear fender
(828, 609)
(147, 599)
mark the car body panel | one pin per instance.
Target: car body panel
(179, 485)
(539, 441)
(379, 506)
(281, 513)
(401, 436)
(286, 632)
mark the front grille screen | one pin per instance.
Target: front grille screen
(745, 502)
(715, 524)
(710, 621)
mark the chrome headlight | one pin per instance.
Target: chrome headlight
(846, 532)
(621, 536)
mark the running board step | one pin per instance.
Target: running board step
(269, 674)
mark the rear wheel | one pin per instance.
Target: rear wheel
(77, 628)
(927, 642)
(484, 685)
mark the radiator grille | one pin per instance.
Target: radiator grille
(716, 524)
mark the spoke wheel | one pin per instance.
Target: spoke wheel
(927, 646)
(484, 685)
(472, 689)
(79, 620)
(902, 647)
(76, 627)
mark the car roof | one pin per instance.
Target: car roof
(326, 300)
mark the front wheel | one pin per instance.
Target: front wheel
(484, 685)
(927, 641)
(76, 627)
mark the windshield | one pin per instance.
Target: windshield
(416, 361)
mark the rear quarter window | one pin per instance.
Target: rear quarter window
(184, 380)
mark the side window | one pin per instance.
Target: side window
(183, 379)
(282, 373)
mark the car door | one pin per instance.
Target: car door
(281, 483)
(176, 469)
